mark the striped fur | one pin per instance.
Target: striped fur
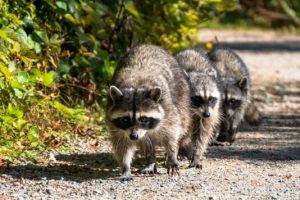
(206, 94)
(237, 100)
(150, 84)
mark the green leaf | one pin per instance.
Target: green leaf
(62, 5)
(8, 119)
(23, 77)
(18, 93)
(63, 68)
(35, 45)
(54, 74)
(47, 79)
(20, 124)
(4, 70)
(33, 134)
(70, 18)
(43, 36)
(16, 84)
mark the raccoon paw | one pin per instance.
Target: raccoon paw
(221, 138)
(126, 177)
(196, 164)
(149, 169)
(173, 168)
(216, 143)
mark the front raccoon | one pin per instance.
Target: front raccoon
(205, 100)
(148, 104)
(237, 95)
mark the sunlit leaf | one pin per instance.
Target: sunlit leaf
(47, 79)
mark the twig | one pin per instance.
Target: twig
(93, 92)
(116, 25)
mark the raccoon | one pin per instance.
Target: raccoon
(237, 99)
(148, 104)
(206, 94)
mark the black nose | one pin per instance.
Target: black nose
(206, 114)
(134, 136)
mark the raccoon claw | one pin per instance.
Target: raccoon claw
(126, 178)
(196, 164)
(175, 169)
(216, 143)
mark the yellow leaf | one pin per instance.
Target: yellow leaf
(209, 45)
(175, 45)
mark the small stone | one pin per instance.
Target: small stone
(50, 190)
(162, 185)
(274, 198)
(102, 181)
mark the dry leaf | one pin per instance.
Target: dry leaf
(288, 176)
(1, 156)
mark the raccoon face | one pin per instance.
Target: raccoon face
(205, 95)
(135, 110)
(234, 96)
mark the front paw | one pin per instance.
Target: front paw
(149, 169)
(196, 162)
(126, 177)
(172, 166)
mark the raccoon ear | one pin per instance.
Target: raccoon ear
(115, 93)
(212, 73)
(155, 94)
(243, 83)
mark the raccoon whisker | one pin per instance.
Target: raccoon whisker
(148, 142)
(201, 123)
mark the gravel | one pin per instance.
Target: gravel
(264, 162)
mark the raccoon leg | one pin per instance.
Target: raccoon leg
(201, 138)
(124, 154)
(149, 152)
(231, 134)
(224, 127)
(171, 148)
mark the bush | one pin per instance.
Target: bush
(57, 57)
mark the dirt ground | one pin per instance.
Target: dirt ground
(263, 163)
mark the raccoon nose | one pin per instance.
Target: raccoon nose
(206, 114)
(134, 136)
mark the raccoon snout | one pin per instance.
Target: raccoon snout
(134, 136)
(206, 114)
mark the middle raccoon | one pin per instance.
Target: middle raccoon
(206, 96)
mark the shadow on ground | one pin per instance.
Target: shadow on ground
(291, 46)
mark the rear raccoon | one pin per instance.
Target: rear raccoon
(206, 93)
(148, 104)
(237, 93)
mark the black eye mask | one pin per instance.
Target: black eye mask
(123, 122)
(197, 101)
(234, 103)
(148, 122)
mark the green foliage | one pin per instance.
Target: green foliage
(57, 57)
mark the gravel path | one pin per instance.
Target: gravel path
(264, 162)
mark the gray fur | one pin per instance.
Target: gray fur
(204, 83)
(237, 91)
(151, 82)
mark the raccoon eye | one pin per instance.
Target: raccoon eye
(211, 99)
(197, 101)
(143, 119)
(232, 101)
(125, 119)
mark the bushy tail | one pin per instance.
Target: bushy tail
(252, 115)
